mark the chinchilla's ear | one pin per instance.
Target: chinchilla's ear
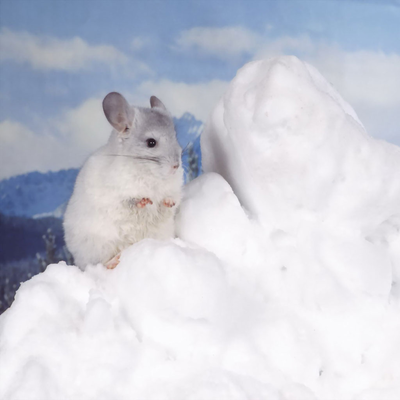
(118, 112)
(156, 102)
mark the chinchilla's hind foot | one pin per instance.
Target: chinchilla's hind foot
(113, 262)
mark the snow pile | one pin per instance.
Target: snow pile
(292, 149)
(294, 296)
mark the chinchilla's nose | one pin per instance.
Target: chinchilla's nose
(174, 168)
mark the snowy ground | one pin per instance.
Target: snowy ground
(283, 283)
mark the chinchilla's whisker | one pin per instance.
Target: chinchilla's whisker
(154, 159)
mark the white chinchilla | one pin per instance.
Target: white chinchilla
(129, 189)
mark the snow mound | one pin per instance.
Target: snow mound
(292, 149)
(283, 284)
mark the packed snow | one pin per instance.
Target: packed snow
(283, 282)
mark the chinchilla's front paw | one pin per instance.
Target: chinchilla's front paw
(143, 202)
(168, 202)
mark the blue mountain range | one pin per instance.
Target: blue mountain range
(36, 193)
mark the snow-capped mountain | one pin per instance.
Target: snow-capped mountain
(188, 129)
(36, 193)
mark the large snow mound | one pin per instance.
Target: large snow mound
(284, 283)
(292, 149)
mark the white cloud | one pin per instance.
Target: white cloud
(67, 142)
(198, 98)
(364, 77)
(49, 53)
(230, 42)
(85, 126)
(223, 43)
(22, 150)
(139, 42)
(284, 45)
(370, 82)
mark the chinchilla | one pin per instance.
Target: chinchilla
(128, 189)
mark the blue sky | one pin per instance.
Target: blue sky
(58, 59)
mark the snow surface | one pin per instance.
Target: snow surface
(286, 287)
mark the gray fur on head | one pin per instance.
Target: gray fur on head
(140, 125)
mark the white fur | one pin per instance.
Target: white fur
(102, 218)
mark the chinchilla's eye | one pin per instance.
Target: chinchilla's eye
(151, 142)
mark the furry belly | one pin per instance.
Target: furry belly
(155, 222)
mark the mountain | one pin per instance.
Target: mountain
(36, 193)
(188, 130)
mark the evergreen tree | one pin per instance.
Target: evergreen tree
(193, 163)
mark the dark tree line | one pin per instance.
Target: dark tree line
(27, 246)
